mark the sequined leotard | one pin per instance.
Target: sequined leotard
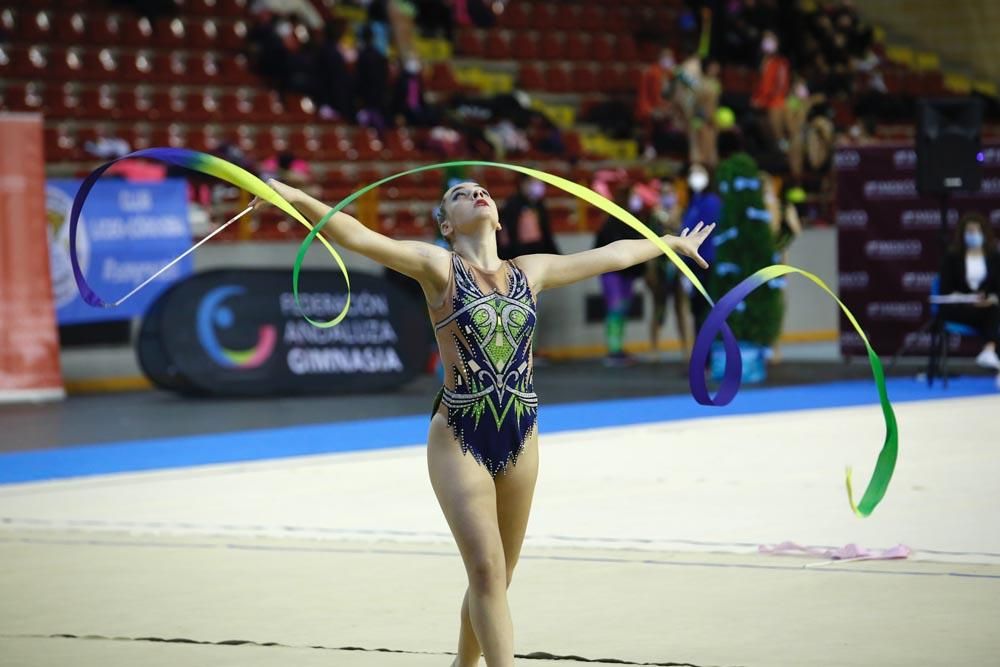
(484, 328)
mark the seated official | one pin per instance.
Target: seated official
(972, 266)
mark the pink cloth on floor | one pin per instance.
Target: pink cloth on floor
(846, 552)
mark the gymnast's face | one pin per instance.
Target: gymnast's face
(467, 207)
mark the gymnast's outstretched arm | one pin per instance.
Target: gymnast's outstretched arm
(551, 271)
(426, 263)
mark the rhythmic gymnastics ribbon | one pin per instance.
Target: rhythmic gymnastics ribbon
(715, 323)
(205, 164)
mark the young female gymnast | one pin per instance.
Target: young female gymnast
(483, 310)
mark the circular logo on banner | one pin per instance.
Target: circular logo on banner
(58, 205)
(212, 313)
(240, 332)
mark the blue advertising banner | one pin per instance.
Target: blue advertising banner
(128, 231)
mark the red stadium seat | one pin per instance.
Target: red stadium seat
(136, 31)
(9, 61)
(470, 43)
(176, 69)
(36, 26)
(531, 78)
(98, 102)
(546, 17)
(169, 33)
(578, 47)
(233, 35)
(517, 15)
(22, 97)
(497, 46)
(525, 45)
(200, 7)
(557, 79)
(70, 28)
(626, 50)
(231, 8)
(442, 78)
(60, 144)
(234, 70)
(585, 79)
(551, 46)
(203, 34)
(105, 29)
(602, 48)
(592, 18)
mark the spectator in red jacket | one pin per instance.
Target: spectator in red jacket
(772, 87)
(652, 108)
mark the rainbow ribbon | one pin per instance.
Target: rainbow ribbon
(715, 323)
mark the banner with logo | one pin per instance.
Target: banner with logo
(240, 333)
(889, 244)
(29, 342)
(128, 231)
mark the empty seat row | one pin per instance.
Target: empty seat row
(83, 28)
(552, 45)
(40, 62)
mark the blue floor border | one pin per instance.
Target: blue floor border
(362, 435)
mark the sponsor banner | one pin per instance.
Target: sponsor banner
(29, 342)
(240, 333)
(127, 232)
(889, 243)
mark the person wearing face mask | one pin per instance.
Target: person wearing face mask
(662, 215)
(524, 222)
(409, 106)
(617, 286)
(972, 266)
(772, 88)
(703, 205)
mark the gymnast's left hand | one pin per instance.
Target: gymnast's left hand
(690, 240)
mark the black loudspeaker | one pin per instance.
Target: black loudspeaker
(949, 152)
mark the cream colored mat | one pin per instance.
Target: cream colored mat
(641, 549)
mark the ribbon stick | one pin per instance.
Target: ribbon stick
(184, 254)
(205, 164)
(714, 325)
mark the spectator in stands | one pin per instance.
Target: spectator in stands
(378, 24)
(435, 18)
(331, 77)
(704, 205)
(798, 108)
(660, 213)
(267, 50)
(409, 105)
(150, 8)
(545, 136)
(617, 286)
(772, 88)
(652, 108)
(298, 73)
(402, 15)
(524, 222)
(478, 13)
(704, 132)
(972, 267)
(286, 167)
(372, 76)
(506, 138)
(819, 138)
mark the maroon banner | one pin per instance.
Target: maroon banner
(889, 244)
